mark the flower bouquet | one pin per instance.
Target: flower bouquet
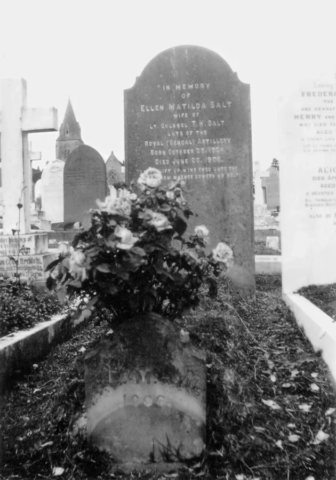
(136, 257)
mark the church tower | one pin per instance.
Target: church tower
(69, 135)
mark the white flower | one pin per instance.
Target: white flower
(202, 232)
(127, 240)
(159, 221)
(170, 195)
(115, 206)
(152, 177)
(76, 262)
(127, 194)
(223, 253)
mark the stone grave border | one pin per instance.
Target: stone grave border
(38, 341)
(28, 346)
(319, 328)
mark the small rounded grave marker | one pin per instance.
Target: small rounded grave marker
(148, 401)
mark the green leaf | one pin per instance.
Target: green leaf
(92, 302)
(165, 208)
(212, 287)
(61, 294)
(179, 225)
(92, 251)
(138, 251)
(51, 265)
(104, 268)
(124, 275)
(75, 283)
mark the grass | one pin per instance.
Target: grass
(268, 397)
(323, 296)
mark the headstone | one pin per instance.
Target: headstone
(189, 115)
(52, 192)
(30, 253)
(272, 242)
(307, 127)
(114, 171)
(26, 260)
(145, 394)
(84, 183)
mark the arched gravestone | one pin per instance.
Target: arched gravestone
(188, 115)
(84, 183)
(52, 191)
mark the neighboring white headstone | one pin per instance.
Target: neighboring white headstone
(272, 242)
(52, 191)
(38, 189)
(307, 128)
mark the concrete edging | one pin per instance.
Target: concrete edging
(18, 351)
(268, 264)
(319, 328)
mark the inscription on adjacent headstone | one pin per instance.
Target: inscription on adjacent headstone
(84, 183)
(307, 127)
(189, 116)
(28, 266)
(12, 245)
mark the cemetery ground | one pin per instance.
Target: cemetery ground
(270, 400)
(323, 296)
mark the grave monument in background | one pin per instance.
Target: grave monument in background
(307, 125)
(84, 183)
(17, 121)
(307, 128)
(52, 195)
(114, 171)
(188, 115)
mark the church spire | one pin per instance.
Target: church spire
(69, 134)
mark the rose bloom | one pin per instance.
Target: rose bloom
(170, 195)
(115, 206)
(76, 261)
(127, 195)
(152, 177)
(159, 221)
(223, 253)
(201, 231)
(127, 240)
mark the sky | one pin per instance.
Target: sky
(91, 51)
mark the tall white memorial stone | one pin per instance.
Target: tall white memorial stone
(307, 128)
(307, 120)
(52, 191)
(17, 121)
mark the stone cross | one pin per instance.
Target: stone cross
(16, 122)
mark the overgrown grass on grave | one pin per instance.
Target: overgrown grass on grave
(22, 307)
(271, 407)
